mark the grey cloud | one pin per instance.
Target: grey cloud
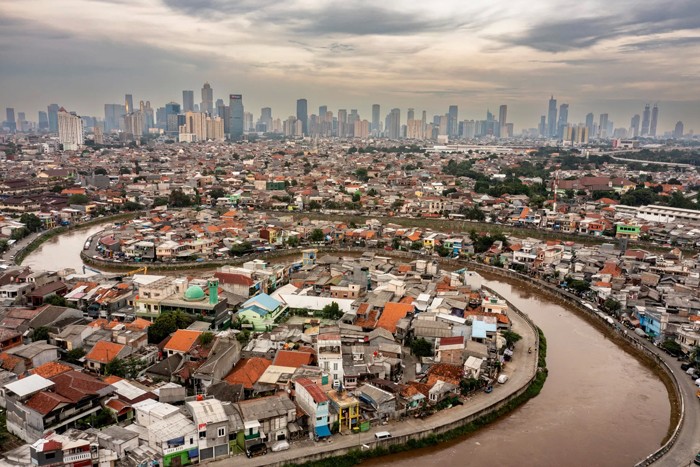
(644, 19)
(218, 8)
(362, 20)
(653, 44)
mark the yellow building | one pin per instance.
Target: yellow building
(345, 409)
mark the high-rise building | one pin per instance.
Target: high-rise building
(129, 103)
(134, 123)
(43, 120)
(236, 105)
(172, 110)
(452, 121)
(265, 119)
(53, 117)
(603, 126)
(552, 118)
(654, 121)
(634, 126)
(217, 105)
(342, 123)
(589, 123)
(187, 101)
(10, 121)
(542, 128)
(70, 130)
(375, 117)
(678, 130)
(502, 121)
(394, 124)
(645, 120)
(303, 115)
(411, 114)
(98, 135)
(113, 113)
(207, 99)
(563, 119)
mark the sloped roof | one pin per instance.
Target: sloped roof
(391, 315)
(290, 358)
(104, 351)
(182, 340)
(247, 371)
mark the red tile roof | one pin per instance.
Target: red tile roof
(292, 358)
(45, 402)
(391, 315)
(47, 370)
(248, 371)
(104, 352)
(313, 389)
(182, 340)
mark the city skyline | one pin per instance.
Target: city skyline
(614, 58)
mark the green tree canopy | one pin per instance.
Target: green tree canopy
(179, 199)
(32, 222)
(56, 300)
(78, 199)
(166, 324)
(332, 311)
(421, 348)
(316, 235)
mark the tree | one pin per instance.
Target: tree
(3, 245)
(421, 348)
(56, 300)
(179, 199)
(160, 201)
(74, 356)
(78, 199)
(19, 234)
(372, 192)
(115, 368)
(417, 245)
(612, 305)
(206, 338)
(672, 347)
(32, 222)
(240, 248)
(314, 205)
(316, 235)
(216, 193)
(356, 197)
(292, 242)
(166, 324)
(332, 311)
(361, 174)
(132, 206)
(100, 171)
(41, 334)
(511, 337)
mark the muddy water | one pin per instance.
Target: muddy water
(598, 407)
(62, 251)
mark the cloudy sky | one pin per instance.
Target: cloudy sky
(597, 55)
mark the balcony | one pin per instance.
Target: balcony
(76, 457)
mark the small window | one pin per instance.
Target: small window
(221, 432)
(202, 434)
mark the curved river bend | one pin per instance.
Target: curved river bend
(598, 407)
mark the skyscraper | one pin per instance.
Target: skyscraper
(543, 126)
(411, 115)
(113, 113)
(563, 119)
(10, 121)
(452, 121)
(217, 105)
(207, 99)
(53, 117)
(129, 103)
(43, 120)
(603, 126)
(645, 120)
(502, 121)
(303, 115)
(589, 123)
(70, 130)
(236, 105)
(266, 119)
(187, 101)
(678, 130)
(634, 126)
(394, 127)
(375, 117)
(654, 120)
(172, 110)
(552, 118)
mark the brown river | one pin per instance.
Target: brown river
(599, 406)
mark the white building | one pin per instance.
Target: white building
(330, 356)
(70, 130)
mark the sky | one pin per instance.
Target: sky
(596, 55)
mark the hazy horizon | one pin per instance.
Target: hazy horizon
(613, 59)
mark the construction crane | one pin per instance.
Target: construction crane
(136, 271)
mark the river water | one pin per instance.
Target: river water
(598, 407)
(61, 252)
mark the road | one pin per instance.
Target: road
(519, 372)
(16, 247)
(688, 442)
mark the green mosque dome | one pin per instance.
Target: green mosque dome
(194, 293)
